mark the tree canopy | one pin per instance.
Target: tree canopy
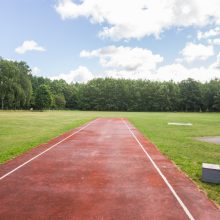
(15, 84)
(19, 89)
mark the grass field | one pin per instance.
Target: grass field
(20, 131)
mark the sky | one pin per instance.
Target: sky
(78, 40)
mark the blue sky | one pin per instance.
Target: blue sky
(81, 40)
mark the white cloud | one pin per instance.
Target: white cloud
(81, 74)
(125, 58)
(118, 74)
(9, 59)
(216, 65)
(136, 19)
(35, 71)
(28, 45)
(139, 63)
(211, 33)
(177, 72)
(193, 52)
(215, 41)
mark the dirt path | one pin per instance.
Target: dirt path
(103, 170)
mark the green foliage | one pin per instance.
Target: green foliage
(190, 95)
(19, 89)
(210, 91)
(217, 101)
(144, 95)
(63, 95)
(70, 94)
(43, 97)
(60, 101)
(15, 84)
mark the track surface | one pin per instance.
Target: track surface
(99, 171)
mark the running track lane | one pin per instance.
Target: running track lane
(104, 170)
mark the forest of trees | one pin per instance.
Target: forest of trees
(19, 89)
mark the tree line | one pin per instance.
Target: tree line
(19, 89)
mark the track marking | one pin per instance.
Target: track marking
(33, 158)
(162, 175)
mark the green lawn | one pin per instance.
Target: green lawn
(20, 131)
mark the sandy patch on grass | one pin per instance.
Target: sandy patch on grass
(213, 140)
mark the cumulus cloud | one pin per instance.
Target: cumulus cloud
(216, 65)
(118, 74)
(211, 33)
(215, 41)
(124, 19)
(125, 58)
(140, 63)
(193, 52)
(29, 45)
(81, 74)
(178, 72)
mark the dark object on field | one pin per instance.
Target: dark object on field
(211, 173)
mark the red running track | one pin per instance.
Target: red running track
(104, 170)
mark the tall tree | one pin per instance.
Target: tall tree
(43, 98)
(16, 88)
(190, 95)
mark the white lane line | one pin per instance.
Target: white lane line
(186, 210)
(25, 163)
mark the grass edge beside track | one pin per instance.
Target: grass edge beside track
(30, 143)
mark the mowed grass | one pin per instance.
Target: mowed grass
(20, 131)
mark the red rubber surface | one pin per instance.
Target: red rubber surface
(99, 173)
